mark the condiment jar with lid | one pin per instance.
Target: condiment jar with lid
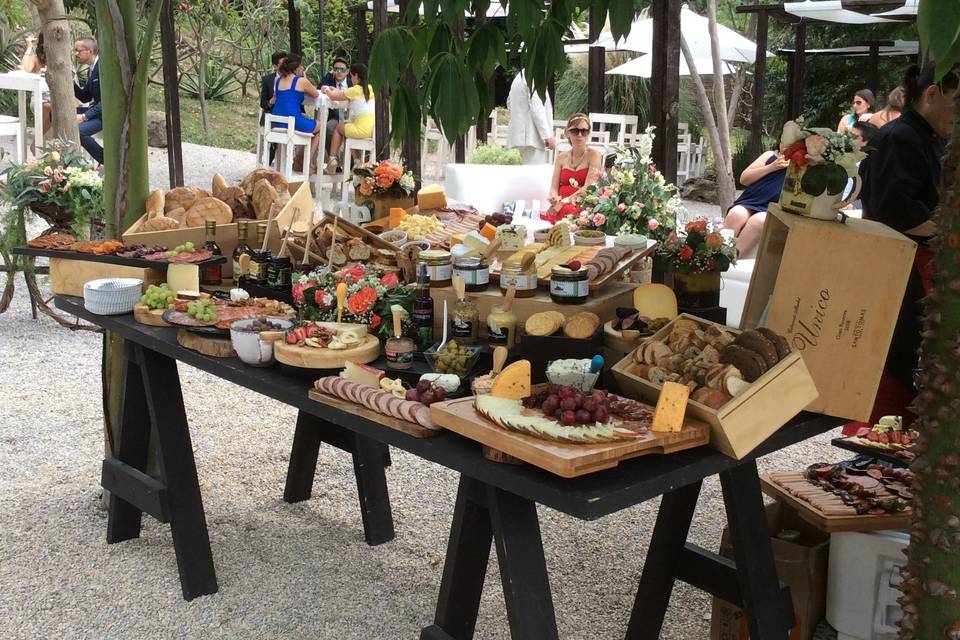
(279, 273)
(439, 266)
(260, 266)
(502, 326)
(523, 279)
(568, 286)
(474, 271)
(465, 319)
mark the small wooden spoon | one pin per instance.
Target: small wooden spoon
(499, 359)
(271, 336)
(244, 262)
(460, 287)
(492, 248)
(508, 298)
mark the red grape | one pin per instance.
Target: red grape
(423, 385)
(427, 397)
(599, 395)
(558, 413)
(589, 404)
(552, 389)
(439, 394)
(601, 415)
(583, 416)
(568, 417)
(566, 392)
(568, 404)
(412, 395)
(554, 398)
(550, 405)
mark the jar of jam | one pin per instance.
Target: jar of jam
(279, 273)
(399, 352)
(502, 327)
(475, 272)
(568, 286)
(525, 282)
(439, 266)
(260, 266)
(465, 321)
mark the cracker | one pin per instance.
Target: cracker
(544, 323)
(581, 326)
(561, 319)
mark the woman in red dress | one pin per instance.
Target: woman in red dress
(573, 170)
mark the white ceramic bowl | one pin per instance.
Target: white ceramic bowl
(248, 345)
(112, 296)
(395, 236)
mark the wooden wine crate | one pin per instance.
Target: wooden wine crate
(67, 277)
(744, 422)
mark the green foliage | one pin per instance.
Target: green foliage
(219, 81)
(939, 25)
(623, 94)
(494, 154)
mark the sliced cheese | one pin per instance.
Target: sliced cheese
(513, 382)
(362, 374)
(476, 242)
(488, 231)
(671, 406)
(559, 235)
(183, 277)
(396, 217)
(655, 301)
(511, 237)
(431, 196)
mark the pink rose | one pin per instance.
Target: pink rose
(599, 219)
(653, 225)
(297, 292)
(621, 207)
(390, 280)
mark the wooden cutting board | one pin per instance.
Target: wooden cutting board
(813, 505)
(153, 317)
(410, 428)
(566, 460)
(311, 358)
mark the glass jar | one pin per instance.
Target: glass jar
(260, 266)
(465, 321)
(280, 273)
(439, 266)
(502, 327)
(569, 287)
(399, 352)
(525, 282)
(475, 272)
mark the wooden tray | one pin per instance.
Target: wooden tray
(829, 522)
(585, 256)
(863, 450)
(410, 428)
(566, 460)
(153, 317)
(311, 358)
(209, 345)
(126, 262)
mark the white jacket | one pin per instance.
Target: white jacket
(531, 120)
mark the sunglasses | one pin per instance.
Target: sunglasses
(579, 132)
(340, 69)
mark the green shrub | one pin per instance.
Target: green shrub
(219, 82)
(494, 154)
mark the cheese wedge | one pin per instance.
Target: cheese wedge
(183, 277)
(511, 237)
(671, 406)
(362, 374)
(489, 232)
(513, 382)
(559, 235)
(476, 242)
(431, 196)
(396, 217)
(655, 301)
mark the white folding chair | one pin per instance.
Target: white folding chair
(10, 127)
(626, 126)
(367, 151)
(288, 140)
(683, 157)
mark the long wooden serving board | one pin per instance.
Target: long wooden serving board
(587, 253)
(410, 428)
(566, 460)
(824, 510)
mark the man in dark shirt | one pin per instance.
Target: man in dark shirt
(89, 118)
(339, 78)
(266, 92)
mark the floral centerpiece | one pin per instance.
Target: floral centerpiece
(370, 293)
(383, 185)
(632, 197)
(822, 162)
(698, 255)
(60, 186)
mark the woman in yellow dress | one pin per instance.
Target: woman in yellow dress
(360, 125)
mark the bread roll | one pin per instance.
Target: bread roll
(208, 208)
(154, 205)
(159, 223)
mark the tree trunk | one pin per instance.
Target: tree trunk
(736, 91)
(725, 185)
(931, 578)
(720, 100)
(202, 89)
(58, 45)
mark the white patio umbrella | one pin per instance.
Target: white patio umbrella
(733, 46)
(642, 67)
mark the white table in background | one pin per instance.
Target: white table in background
(23, 82)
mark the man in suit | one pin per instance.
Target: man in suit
(531, 123)
(266, 92)
(339, 78)
(89, 117)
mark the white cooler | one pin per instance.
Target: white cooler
(863, 584)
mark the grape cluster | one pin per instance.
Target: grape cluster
(158, 297)
(203, 310)
(181, 248)
(426, 393)
(570, 406)
(494, 219)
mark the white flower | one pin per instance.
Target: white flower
(407, 182)
(791, 133)
(645, 147)
(816, 146)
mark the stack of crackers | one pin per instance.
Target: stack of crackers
(580, 326)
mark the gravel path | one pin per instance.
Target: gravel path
(285, 571)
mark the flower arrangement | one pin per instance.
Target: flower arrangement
(586, 221)
(383, 179)
(828, 157)
(633, 197)
(699, 249)
(59, 185)
(369, 296)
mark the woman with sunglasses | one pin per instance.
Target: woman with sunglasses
(360, 126)
(573, 170)
(863, 102)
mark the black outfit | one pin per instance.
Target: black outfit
(330, 80)
(93, 114)
(266, 94)
(900, 189)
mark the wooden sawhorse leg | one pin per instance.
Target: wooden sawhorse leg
(749, 582)
(369, 459)
(153, 406)
(483, 513)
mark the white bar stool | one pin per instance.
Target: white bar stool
(368, 153)
(10, 127)
(288, 140)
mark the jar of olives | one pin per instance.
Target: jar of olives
(453, 358)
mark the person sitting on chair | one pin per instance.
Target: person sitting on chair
(288, 92)
(266, 92)
(763, 180)
(338, 78)
(89, 117)
(360, 126)
(34, 60)
(573, 170)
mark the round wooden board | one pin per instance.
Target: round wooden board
(614, 339)
(312, 358)
(145, 315)
(499, 456)
(207, 345)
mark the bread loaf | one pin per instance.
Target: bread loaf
(208, 208)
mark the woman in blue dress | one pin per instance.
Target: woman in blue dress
(289, 90)
(763, 180)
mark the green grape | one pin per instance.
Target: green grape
(188, 246)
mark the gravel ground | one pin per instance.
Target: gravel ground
(285, 571)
